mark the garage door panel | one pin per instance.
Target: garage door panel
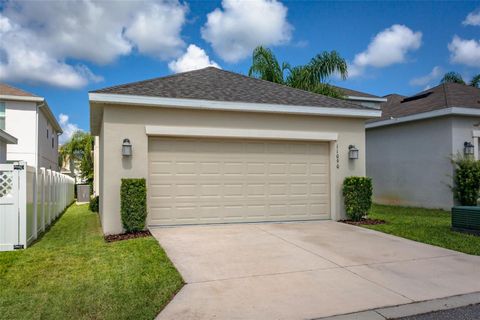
(213, 181)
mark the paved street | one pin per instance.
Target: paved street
(464, 313)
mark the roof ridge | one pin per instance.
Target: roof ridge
(151, 79)
(353, 105)
(281, 84)
(446, 95)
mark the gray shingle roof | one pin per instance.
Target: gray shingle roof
(219, 85)
(443, 96)
(355, 93)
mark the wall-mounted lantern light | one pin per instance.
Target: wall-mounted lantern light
(468, 148)
(352, 152)
(126, 148)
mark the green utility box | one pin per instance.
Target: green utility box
(466, 219)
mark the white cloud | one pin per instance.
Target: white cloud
(472, 19)
(39, 41)
(435, 74)
(464, 51)
(157, 31)
(239, 26)
(388, 47)
(68, 128)
(194, 58)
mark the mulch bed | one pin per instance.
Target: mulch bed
(364, 222)
(126, 236)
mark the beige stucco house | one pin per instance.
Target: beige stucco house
(219, 147)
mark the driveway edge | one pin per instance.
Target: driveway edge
(411, 309)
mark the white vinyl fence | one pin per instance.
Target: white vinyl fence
(30, 201)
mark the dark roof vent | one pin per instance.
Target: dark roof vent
(417, 97)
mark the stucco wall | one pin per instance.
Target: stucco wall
(96, 166)
(121, 122)
(20, 122)
(463, 132)
(47, 155)
(410, 163)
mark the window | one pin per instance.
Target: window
(53, 142)
(2, 115)
(47, 133)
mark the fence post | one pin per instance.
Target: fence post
(35, 205)
(42, 197)
(21, 169)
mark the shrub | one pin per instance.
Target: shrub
(466, 181)
(357, 193)
(93, 205)
(133, 206)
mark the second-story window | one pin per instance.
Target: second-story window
(47, 133)
(2, 115)
(53, 142)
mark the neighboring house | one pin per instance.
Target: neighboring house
(410, 148)
(28, 118)
(219, 147)
(71, 168)
(5, 139)
(362, 98)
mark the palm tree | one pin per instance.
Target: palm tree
(79, 149)
(455, 77)
(265, 66)
(452, 77)
(311, 77)
(475, 82)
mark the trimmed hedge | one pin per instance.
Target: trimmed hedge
(467, 181)
(93, 205)
(357, 193)
(133, 194)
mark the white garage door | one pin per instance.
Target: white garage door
(194, 181)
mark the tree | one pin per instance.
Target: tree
(79, 150)
(311, 77)
(475, 82)
(452, 77)
(455, 77)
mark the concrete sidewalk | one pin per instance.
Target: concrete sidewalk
(305, 270)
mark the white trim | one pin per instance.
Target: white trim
(21, 98)
(459, 111)
(5, 137)
(334, 214)
(179, 131)
(230, 106)
(366, 99)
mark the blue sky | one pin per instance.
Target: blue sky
(391, 46)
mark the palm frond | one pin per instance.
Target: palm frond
(452, 77)
(265, 66)
(475, 82)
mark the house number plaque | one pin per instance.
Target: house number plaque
(338, 157)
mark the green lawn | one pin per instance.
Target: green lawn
(72, 273)
(423, 225)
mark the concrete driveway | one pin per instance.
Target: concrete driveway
(305, 270)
